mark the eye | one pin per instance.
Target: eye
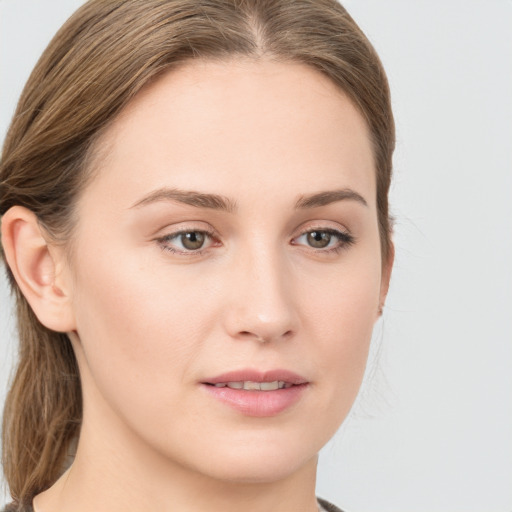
(191, 241)
(324, 239)
(318, 239)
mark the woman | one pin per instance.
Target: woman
(195, 225)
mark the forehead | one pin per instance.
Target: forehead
(238, 126)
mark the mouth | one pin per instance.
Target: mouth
(250, 385)
(256, 393)
(255, 380)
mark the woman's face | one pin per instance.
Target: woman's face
(230, 236)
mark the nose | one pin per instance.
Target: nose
(261, 303)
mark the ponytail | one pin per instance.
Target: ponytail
(43, 409)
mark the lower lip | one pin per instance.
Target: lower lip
(258, 403)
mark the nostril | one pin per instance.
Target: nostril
(264, 338)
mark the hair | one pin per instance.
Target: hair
(97, 62)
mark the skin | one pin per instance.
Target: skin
(149, 325)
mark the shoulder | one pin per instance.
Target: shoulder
(325, 506)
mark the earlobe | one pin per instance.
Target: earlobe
(36, 266)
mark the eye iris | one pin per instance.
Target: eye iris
(193, 240)
(318, 239)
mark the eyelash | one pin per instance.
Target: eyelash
(345, 240)
(164, 241)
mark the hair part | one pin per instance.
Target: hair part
(97, 62)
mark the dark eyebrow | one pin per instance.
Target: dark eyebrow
(328, 197)
(190, 197)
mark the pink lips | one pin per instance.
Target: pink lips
(257, 403)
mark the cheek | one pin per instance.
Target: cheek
(340, 317)
(138, 327)
(342, 302)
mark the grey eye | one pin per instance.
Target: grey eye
(318, 239)
(192, 240)
(325, 240)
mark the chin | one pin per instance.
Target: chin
(259, 458)
(260, 469)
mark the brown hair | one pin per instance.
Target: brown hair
(104, 54)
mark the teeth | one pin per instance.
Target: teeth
(250, 385)
(269, 386)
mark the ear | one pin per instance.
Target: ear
(39, 269)
(387, 267)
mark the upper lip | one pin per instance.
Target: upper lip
(253, 375)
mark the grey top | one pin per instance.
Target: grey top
(325, 506)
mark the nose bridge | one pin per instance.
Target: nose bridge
(262, 303)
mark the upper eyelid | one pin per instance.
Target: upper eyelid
(184, 227)
(174, 230)
(176, 234)
(182, 231)
(322, 226)
(166, 232)
(336, 232)
(327, 229)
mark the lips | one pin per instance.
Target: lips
(249, 375)
(257, 393)
(249, 385)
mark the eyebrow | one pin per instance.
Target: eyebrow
(222, 203)
(328, 197)
(190, 197)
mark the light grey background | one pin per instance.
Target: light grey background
(433, 431)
